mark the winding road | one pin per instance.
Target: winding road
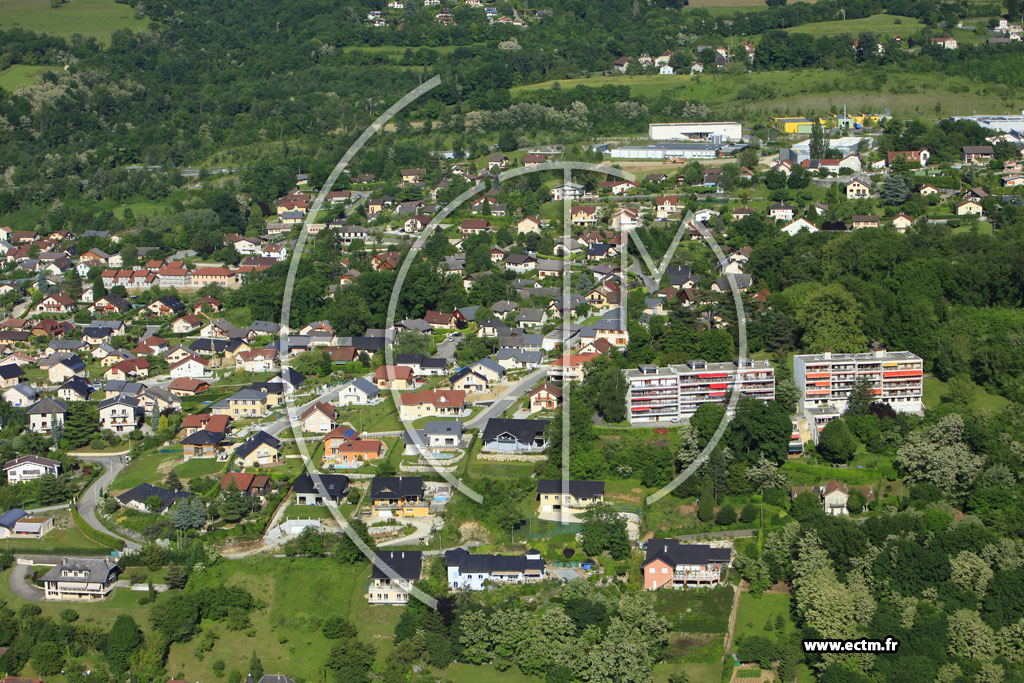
(90, 498)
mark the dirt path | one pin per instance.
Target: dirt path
(732, 615)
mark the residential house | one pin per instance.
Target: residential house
(670, 563)
(969, 207)
(319, 418)
(29, 467)
(188, 387)
(432, 403)
(467, 571)
(394, 377)
(864, 221)
(120, 414)
(514, 436)
(781, 212)
(259, 450)
(21, 395)
(437, 438)
(328, 488)
(343, 452)
(528, 225)
(359, 392)
(577, 496)
(391, 586)
(203, 444)
(139, 498)
(977, 154)
(74, 389)
(80, 579)
(54, 303)
(47, 414)
(398, 497)
(244, 403)
(248, 484)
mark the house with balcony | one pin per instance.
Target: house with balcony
(467, 571)
(203, 444)
(431, 403)
(29, 468)
(577, 496)
(341, 451)
(81, 579)
(672, 564)
(46, 414)
(391, 586)
(259, 450)
(503, 435)
(398, 497)
(120, 414)
(306, 491)
(241, 404)
(437, 439)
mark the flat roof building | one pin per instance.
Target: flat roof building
(672, 393)
(825, 380)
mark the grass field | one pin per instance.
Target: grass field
(754, 96)
(879, 24)
(90, 18)
(298, 593)
(935, 389)
(145, 468)
(199, 467)
(754, 612)
(65, 534)
(20, 75)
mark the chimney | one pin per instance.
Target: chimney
(827, 355)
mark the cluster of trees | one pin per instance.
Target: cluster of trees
(950, 298)
(586, 633)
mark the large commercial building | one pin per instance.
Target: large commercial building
(669, 151)
(714, 131)
(826, 379)
(675, 392)
(1004, 123)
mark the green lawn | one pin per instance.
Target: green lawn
(935, 389)
(20, 75)
(90, 18)
(879, 24)
(199, 467)
(382, 417)
(646, 85)
(696, 611)
(144, 469)
(299, 593)
(755, 611)
(982, 228)
(65, 534)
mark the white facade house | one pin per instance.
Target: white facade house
(29, 467)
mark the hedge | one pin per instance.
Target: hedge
(94, 534)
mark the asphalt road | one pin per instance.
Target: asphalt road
(90, 498)
(20, 585)
(507, 399)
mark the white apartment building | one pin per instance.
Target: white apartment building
(672, 393)
(826, 379)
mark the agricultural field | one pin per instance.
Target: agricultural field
(879, 24)
(21, 75)
(89, 18)
(754, 96)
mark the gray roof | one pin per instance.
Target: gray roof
(97, 570)
(488, 363)
(48, 406)
(364, 385)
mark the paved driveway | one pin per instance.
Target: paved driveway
(21, 586)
